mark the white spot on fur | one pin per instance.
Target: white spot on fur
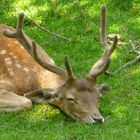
(16, 42)
(10, 71)
(18, 65)
(15, 57)
(9, 44)
(3, 51)
(11, 53)
(26, 69)
(8, 60)
(34, 69)
(2, 81)
(22, 47)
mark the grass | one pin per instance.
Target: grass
(79, 20)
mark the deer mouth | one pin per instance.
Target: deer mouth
(95, 118)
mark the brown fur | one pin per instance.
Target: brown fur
(37, 77)
(20, 82)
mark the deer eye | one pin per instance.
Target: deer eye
(70, 99)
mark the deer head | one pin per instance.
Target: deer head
(79, 99)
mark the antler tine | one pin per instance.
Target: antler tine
(112, 48)
(46, 65)
(103, 63)
(103, 26)
(69, 69)
(18, 34)
(20, 22)
(12, 34)
(103, 31)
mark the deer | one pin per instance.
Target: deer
(29, 75)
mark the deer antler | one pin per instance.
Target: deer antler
(131, 62)
(69, 69)
(103, 63)
(18, 34)
(31, 45)
(46, 65)
(70, 75)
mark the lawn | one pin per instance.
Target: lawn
(79, 20)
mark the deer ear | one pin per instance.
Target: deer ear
(103, 88)
(42, 95)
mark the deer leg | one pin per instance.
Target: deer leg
(11, 102)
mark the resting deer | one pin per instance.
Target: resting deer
(27, 69)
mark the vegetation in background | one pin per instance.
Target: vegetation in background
(79, 20)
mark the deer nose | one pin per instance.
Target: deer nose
(97, 118)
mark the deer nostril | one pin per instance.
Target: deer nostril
(97, 118)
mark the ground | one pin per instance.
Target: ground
(79, 21)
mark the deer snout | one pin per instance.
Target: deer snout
(97, 118)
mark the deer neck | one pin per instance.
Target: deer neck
(47, 79)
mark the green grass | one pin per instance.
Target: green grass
(79, 20)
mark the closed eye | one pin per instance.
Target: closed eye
(72, 100)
